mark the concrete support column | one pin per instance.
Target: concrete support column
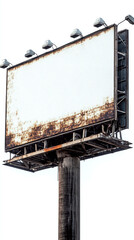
(69, 198)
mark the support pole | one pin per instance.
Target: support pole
(69, 198)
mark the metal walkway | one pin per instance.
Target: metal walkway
(85, 148)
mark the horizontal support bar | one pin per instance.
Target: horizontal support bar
(95, 145)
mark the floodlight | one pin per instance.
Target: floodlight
(130, 19)
(4, 63)
(48, 44)
(99, 22)
(29, 53)
(76, 33)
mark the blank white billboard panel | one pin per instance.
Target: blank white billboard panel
(62, 90)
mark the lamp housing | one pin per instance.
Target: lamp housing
(4, 63)
(99, 22)
(29, 53)
(76, 33)
(130, 19)
(47, 44)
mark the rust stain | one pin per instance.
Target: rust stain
(77, 120)
(52, 148)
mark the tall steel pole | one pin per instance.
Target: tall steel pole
(69, 198)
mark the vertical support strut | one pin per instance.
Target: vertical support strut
(69, 198)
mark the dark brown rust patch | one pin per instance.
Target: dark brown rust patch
(81, 119)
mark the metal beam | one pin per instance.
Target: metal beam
(95, 145)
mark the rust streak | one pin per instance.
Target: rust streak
(52, 148)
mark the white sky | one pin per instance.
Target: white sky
(29, 202)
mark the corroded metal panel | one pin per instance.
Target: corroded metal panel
(62, 90)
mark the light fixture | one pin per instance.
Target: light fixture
(76, 33)
(48, 44)
(4, 63)
(99, 22)
(29, 53)
(128, 18)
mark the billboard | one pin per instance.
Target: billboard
(62, 90)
